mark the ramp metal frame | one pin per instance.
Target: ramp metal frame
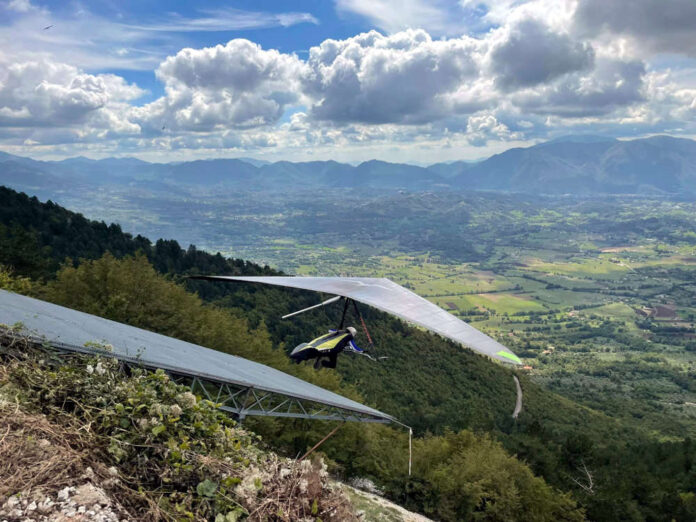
(243, 401)
(236, 399)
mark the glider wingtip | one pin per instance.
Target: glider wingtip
(509, 357)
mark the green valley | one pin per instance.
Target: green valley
(610, 346)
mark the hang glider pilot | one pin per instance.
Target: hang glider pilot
(325, 349)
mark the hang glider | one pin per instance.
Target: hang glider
(385, 295)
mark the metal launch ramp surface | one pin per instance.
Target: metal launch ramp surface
(243, 387)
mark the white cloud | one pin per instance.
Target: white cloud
(407, 77)
(224, 20)
(667, 100)
(48, 94)
(524, 70)
(235, 85)
(556, 14)
(484, 127)
(240, 65)
(20, 6)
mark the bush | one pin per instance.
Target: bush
(181, 457)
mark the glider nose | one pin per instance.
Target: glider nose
(297, 352)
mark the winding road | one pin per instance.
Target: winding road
(518, 404)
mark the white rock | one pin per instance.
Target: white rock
(45, 505)
(64, 493)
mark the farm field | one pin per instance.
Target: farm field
(605, 323)
(596, 295)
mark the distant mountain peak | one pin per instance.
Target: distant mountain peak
(374, 162)
(582, 164)
(255, 162)
(580, 138)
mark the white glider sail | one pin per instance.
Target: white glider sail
(385, 295)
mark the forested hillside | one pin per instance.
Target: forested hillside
(635, 475)
(36, 238)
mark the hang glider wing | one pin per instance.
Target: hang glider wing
(385, 295)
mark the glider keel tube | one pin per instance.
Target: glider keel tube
(385, 295)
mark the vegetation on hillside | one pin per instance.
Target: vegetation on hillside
(447, 482)
(637, 473)
(162, 452)
(36, 238)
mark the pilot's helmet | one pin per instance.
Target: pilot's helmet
(352, 331)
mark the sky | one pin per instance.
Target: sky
(398, 80)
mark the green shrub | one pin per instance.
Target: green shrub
(181, 456)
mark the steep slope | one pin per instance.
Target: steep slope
(655, 165)
(427, 382)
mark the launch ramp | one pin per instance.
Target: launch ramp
(243, 387)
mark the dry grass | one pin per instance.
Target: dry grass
(300, 491)
(44, 453)
(35, 452)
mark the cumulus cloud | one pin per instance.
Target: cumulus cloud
(532, 68)
(612, 84)
(530, 53)
(234, 85)
(46, 94)
(668, 99)
(240, 65)
(407, 77)
(483, 127)
(654, 25)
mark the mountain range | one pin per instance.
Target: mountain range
(581, 165)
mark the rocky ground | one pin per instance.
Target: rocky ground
(83, 503)
(371, 507)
